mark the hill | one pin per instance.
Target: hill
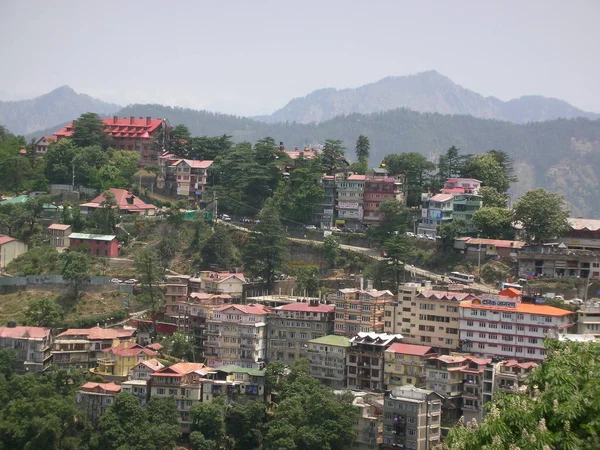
(560, 155)
(60, 105)
(423, 92)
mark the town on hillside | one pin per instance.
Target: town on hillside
(238, 288)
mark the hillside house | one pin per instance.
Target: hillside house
(105, 245)
(10, 249)
(126, 201)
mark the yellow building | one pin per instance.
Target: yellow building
(117, 363)
(405, 364)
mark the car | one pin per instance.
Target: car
(131, 281)
(310, 227)
(410, 234)
(226, 218)
(115, 280)
(421, 236)
(431, 238)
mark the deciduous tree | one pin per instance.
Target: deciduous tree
(542, 214)
(488, 170)
(76, 269)
(88, 130)
(44, 312)
(494, 223)
(148, 269)
(393, 221)
(307, 280)
(492, 198)
(331, 250)
(448, 232)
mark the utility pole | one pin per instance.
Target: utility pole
(215, 208)
(73, 183)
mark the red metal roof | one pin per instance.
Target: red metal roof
(252, 308)
(59, 226)
(523, 365)
(24, 332)
(6, 239)
(524, 308)
(122, 196)
(307, 307)
(97, 333)
(129, 349)
(409, 349)
(122, 127)
(101, 387)
(357, 177)
(180, 369)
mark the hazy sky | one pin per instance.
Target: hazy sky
(251, 57)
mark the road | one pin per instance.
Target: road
(374, 254)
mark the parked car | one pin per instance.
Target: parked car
(226, 218)
(310, 227)
(421, 236)
(115, 280)
(132, 281)
(410, 234)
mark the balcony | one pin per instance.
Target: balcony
(470, 407)
(471, 393)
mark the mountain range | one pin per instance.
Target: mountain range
(423, 92)
(60, 105)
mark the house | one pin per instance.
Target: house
(365, 360)
(118, 362)
(33, 347)
(126, 201)
(183, 382)
(505, 377)
(349, 206)
(223, 283)
(140, 375)
(10, 248)
(328, 360)
(236, 334)
(292, 326)
(80, 347)
(239, 384)
(380, 186)
(412, 418)
(474, 248)
(95, 398)
(405, 364)
(498, 326)
(140, 135)
(59, 235)
(184, 177)
(43, 143)
(105, 245)
(360, 310)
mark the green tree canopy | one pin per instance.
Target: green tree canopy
(76, 269)
(331, 250)
(219, 251)
(448, 232)
(542, 214)
(147, 267)
(363, 146)
(417, 171)
(393, 221)
(307, 280)
(494, 223)
(333, 156)
(89, 130)
(488, 170)
(492, 198)
(44, 312)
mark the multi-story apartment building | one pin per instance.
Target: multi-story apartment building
(588, 318)
(349, 205)
(558, 262)
(198, 308)
(236, 334)
(397, 315)
(464, 206)
(504, 327)
(360, 310)
(185, 177)
(436, 210)
(139, 377)
(292, 326)
(365, 360)
(95, 398)
(32, 345)
(328, 360)
(140, 135)
(473, 375)
(325, 210)
(176, 296)
(239, 384)
(118, 362)
(369, 426)
(182, 381)
(412, 418)
(405, 364)
(59, 235)
(432, 317)
(81, 347)
(379, 186)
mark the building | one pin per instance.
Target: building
(292, 326)
(473, 377)
(59, 235)
(328, 360)
(106, 245)
(139, 377)
(325, 210)
(432, 317)
(236, 334)
(239, 384)
(504, 327)
(176, 296)
(10, 249)
(583, 234)
(365, 360)
(475, 248)
(183, 382)
(405, 364)
(349, 207)
(558, 261)
(126, 202)
(588, 318)
(507, 376)
(198, 308)
(80, 347)
(436, 211)
(379, 186)
(95, 398)
(146, 136)
(183, 177)
(397, 319)
(360, 310)
(118, 362)
(223, 283)
(369, 426)
(412, 418)
(32, 345)
(43, 143)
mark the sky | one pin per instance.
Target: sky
(251, 57)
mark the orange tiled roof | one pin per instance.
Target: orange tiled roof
(525, 308)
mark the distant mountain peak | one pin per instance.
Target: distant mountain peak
(427, 92)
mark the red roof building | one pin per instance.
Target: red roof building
(33, 347)
(129, 134)
(95, 398)
(183, 177)
(128, 203)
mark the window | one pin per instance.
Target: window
(507, 315)
(531, 351)
(548, 319)
(411, 432)
(520, 317)
(533, 329)
(520, 328)
(469, 323)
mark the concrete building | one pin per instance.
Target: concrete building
(405, 364)
(473, 376)
(80, 347)
(32, 345)
(328, 360)
(504, 327)
(397, 315)
(10, 249)
(474, 248)
(292, 326)
(558, 261)
(176, 296)
(365, 360)
(379, 187)
(349, 207)
(359, 310)
(226, 283)
(139, 377)
(325, 210)
(436, 210)
(118, 362)
(369, 426)
(126, 202)
(412, 418)
(184, 177)
(238, 384)
(59, 235)
(95, 398)
(583, 234)
(236, 334)
(198, 309)
(588, 318)
(106, 245)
